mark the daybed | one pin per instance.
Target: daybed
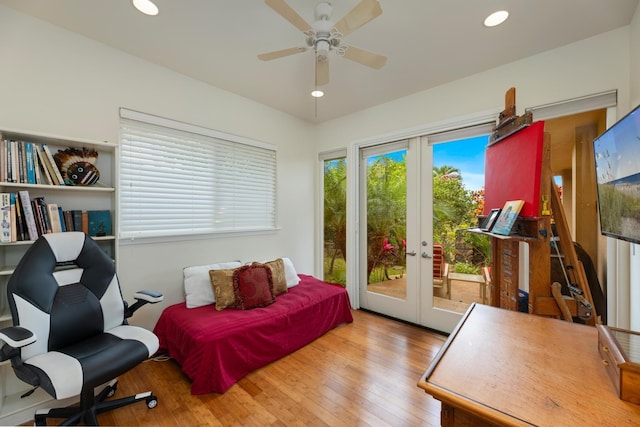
(217, 348)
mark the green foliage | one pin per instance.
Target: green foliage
(453, 208)
(481, 245)
(620, 206)
(464, 268)
(335, 271)
(335, 213)
(386, 214)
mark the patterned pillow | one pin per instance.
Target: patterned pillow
(197, 283)
(222, 283)
(253, 286)
(278, 275)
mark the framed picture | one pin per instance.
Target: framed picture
(488, 222)
(507, 217)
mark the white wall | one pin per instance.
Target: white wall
(57, 82)
(634, 258)
(634, 53)
(586, 67)
(590, 66)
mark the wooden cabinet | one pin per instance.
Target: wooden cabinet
(99, 196)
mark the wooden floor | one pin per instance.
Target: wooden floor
(363, 373)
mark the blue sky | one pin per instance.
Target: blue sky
(617, 151)
(467, 155)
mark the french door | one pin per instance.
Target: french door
(396, 231)
(438, 309)
(387, 244)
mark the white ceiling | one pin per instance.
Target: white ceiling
(427, 42)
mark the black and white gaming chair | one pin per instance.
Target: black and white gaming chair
(70, 332)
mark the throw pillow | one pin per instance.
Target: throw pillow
(278, 275)
(290, 272)
(253, 286)
(197, 283)
(222, 284)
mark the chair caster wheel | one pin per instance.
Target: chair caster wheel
(152, 402)
(112, 390)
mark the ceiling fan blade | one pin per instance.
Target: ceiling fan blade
(280, 53)
(283, 9)
(365, 57)
(322, 72)
(364, 12)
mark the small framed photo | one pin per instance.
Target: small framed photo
(488, 222)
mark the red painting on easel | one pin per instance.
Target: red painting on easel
(513, 168)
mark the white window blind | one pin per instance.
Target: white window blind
(177, 179)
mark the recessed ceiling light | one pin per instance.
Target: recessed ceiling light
(317, 93)
(146, 6)
(496, 18)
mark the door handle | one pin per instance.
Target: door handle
(412, 253)
(426, 255)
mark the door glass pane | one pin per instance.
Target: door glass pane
(335, 221)
(458, 199)
(386, 181)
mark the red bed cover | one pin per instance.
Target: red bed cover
(217, 348)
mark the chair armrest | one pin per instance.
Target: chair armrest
(149, 296)
(14, 337)
(142, 298)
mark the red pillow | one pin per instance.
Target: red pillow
(253, 286)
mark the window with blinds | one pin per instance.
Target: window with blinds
(177, 179)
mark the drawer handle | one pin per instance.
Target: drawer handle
(605, 363)
(605, 348)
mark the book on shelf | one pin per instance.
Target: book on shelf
(14, 226)
(54, 218)
(85, 222)
(77, 219)
(55, 172)
(12, 161)
(5, 217)
(99, 223)
(21, 161)
(26, 219)
(37, 213)
(63, 226)
(68, 220)
(30, 172)
(29, 219)
(3, 160)
(28, 163)
(507, 218)
(44, 170)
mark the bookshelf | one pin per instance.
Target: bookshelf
(100, 196)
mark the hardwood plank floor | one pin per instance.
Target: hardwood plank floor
(363, 373)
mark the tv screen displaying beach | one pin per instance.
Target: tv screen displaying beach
(617, 157)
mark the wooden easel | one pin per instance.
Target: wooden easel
(574, 268)
(536, 231)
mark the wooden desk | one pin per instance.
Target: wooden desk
(501, 367)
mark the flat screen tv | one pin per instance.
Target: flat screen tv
(617, 158)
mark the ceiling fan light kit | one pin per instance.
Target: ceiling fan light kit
(496, 18)
(325, 37)
(146, 6)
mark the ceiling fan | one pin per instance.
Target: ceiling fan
(324, 36)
